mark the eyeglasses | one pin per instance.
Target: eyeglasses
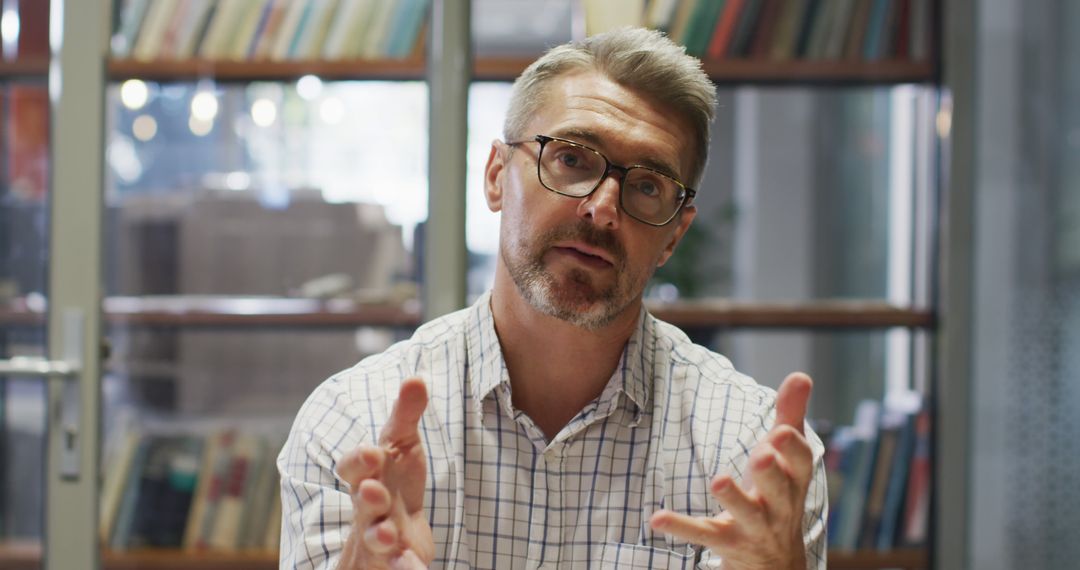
(572, 169)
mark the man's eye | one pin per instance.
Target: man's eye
(573, 160)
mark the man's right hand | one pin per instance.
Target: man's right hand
(390, 530)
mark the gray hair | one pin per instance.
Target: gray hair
(643, 60)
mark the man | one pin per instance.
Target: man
(556, 424)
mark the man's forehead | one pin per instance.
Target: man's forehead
(590, 108)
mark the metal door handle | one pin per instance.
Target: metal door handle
(37, 367)
(68, 370)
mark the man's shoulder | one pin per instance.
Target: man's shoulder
(376, 378)
(710, 365)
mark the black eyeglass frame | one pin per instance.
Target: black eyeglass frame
(685, 198)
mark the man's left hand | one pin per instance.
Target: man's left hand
(761, 526)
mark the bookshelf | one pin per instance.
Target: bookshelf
(283, 312)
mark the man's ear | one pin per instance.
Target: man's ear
(682, 223)
(493, 170)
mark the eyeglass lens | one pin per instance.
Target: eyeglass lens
(575, 171)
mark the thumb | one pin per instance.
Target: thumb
(792, 399)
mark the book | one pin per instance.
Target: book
(744, 31)
(836, 37)
(606, 15)
(222, 29)
(154, 30)
(920, 30)
(124, 36)
(258, 497)
(660, 14)
(856, 35)
(113, 485)
(725, 29)
(239, 46)
(268, 34)
(166, 483)
(763, 35)
(681, 20)
(874, 505)
(238, 477)
(407, 29)
(894, 495)
(819, 29)
(701, 26)
(290, 25)
(857, 470)
(310, 38)
(900, 47)
(805, 26)
(785, 38)
(916, 519)
(194, 28)
(347, 22)
(875, 29)
(377, 29)
(125, 513)
(209, 481)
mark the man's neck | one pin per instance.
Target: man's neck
(555, 367)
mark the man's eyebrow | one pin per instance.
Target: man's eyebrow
(592, 139)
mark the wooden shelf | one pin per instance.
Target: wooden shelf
(906, 559)
(28, 557)
(240, 71)
(829, 314)
(259, 312)
(29, 68)
(506, 69)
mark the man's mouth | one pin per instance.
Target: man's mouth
(588, 255)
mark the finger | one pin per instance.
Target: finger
(735, 501)
(796, 452)
(407, 561)
(381, 538)
(371, 503)
(364, 462)
(714, 533)
(772, 480)
(402, 429)
(792, 399)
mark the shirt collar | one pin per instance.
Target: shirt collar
(487, 369)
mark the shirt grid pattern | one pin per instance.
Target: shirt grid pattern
(498, 494)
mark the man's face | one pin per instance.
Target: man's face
(583, 260)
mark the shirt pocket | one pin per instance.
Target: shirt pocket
(633, 556)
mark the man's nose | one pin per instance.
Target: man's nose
(602, 206)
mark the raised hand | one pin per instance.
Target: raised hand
(387, 484)
(761, 526)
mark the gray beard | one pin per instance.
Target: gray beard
(578, 301)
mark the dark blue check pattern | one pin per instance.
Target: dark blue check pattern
(499, 494)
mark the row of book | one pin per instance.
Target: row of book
(268, 30)
(779, 30)
(878, 472)
(216, 492)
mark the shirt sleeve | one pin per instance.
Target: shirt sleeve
(316, 507)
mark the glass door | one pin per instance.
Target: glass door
(50, 292)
